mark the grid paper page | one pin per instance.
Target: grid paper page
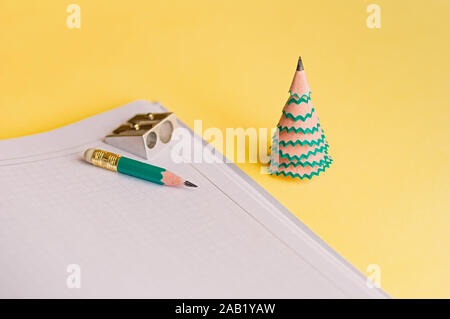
(132, 238)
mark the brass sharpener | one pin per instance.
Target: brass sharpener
(144, 134)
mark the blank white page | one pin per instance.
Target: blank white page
(227, 238)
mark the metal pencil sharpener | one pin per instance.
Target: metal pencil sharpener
(144, 134)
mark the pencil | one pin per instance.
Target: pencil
(128, 166)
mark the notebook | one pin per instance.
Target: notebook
(129, 238)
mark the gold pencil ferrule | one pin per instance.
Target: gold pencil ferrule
(105, 160)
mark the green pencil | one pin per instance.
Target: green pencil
(128, 166)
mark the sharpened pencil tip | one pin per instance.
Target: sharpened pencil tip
(189, 184)
(300, 64)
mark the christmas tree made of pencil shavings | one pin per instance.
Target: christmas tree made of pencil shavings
(299, 147)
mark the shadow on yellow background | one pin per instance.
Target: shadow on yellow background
(382, 96)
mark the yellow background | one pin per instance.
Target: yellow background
(382, 96)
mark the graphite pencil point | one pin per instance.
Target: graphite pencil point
(189, 184)
(300, 64)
